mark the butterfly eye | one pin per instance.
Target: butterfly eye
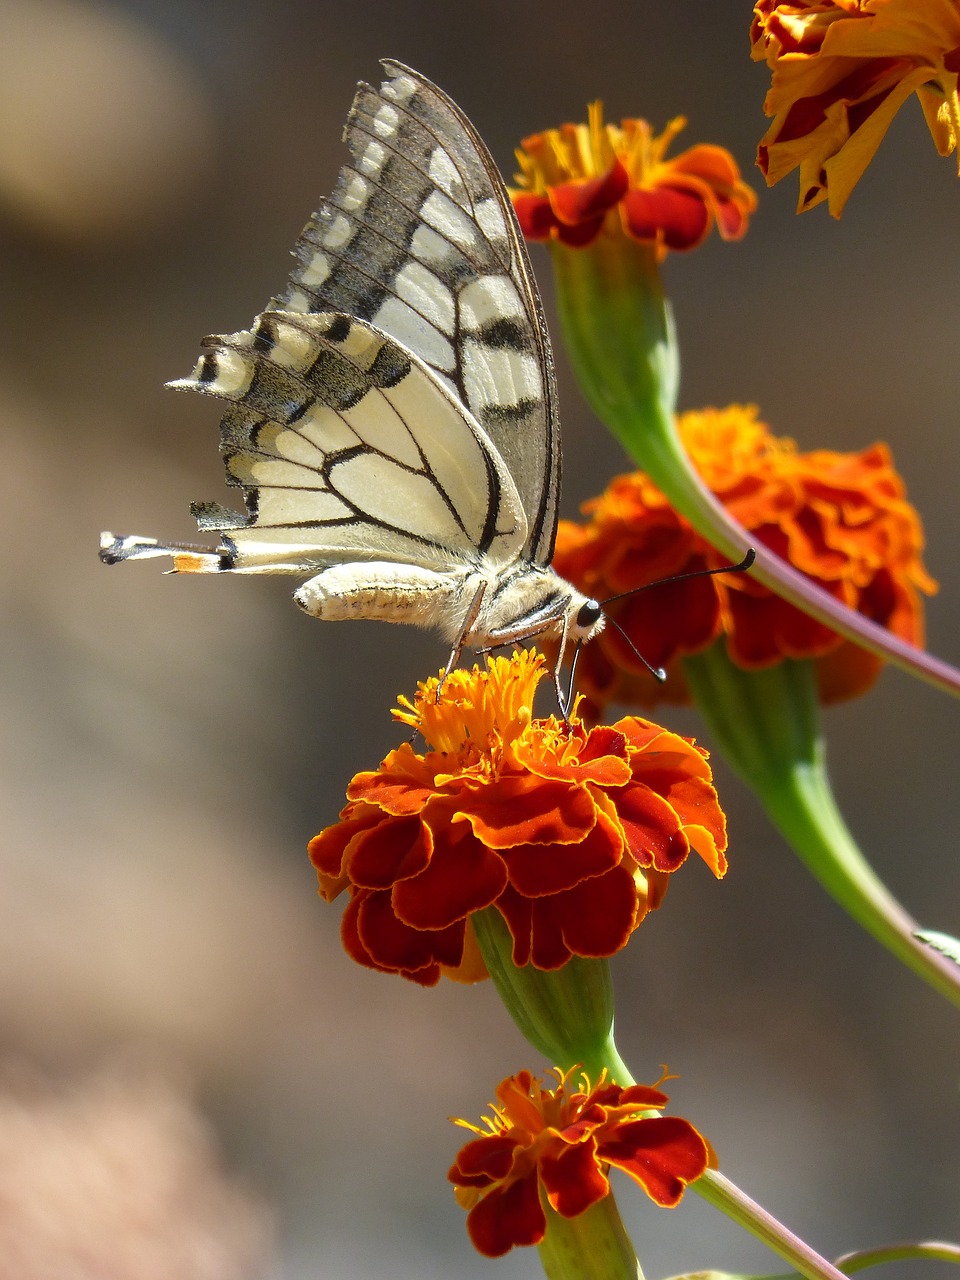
(588, 614)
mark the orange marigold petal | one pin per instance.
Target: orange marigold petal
(400, 786)
(425, 973)
(594, 920)
(840, 74)
(526, 809)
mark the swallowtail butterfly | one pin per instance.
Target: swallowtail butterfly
(392, 414)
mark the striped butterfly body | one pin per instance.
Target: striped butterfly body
(391, 416)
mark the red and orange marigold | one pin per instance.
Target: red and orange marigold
(842, 519)
(581, 179)
(570, 834)
(562, 1143)
(842, 69)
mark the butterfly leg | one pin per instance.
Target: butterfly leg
(564, 700)
(468, 624)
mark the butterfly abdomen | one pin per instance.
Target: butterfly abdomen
(388, 592)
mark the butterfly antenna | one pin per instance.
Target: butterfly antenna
(658, 673)
(742, 567)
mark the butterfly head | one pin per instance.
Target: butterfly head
(587, 621)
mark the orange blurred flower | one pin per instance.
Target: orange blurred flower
(842, 519)
(580, 179)
(572, 835)
(841, 71)
(564, 1142)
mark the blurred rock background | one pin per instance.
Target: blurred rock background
(169, 745)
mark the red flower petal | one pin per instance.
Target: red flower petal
(652, 829)
(394, 946)
(539, 870)
(484, 1160)
(577, 202)
(464, 877)
(393, 850)
(662, 1154)
(732, 218)
(536, 218)
(672, 215)
(594, 920)
(507, 1216)
(329, 852)
(573, 1179)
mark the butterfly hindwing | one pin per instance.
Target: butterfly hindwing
(419, 238)
(349, 448)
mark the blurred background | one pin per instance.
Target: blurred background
(169, 982)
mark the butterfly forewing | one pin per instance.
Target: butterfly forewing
(420, 239)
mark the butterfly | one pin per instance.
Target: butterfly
(392, 414)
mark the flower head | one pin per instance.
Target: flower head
(563, 1142)
(581, 179)
(841, 71)
(842, 519)
(572, 835)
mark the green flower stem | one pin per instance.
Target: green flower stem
(620, 336)
(592, 1246)
(767, 724)
(736, 1204)
(566, 1014)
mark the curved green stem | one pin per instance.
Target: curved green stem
(620, 336)
(566, 1014)
(594, 1244)
(767, 725)
(736, 1204)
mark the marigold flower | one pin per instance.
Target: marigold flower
(580, 179)
(842, 519)
(564, 1141)
(572, 835)
(841, 71)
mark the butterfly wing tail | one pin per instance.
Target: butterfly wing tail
(187, 558)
